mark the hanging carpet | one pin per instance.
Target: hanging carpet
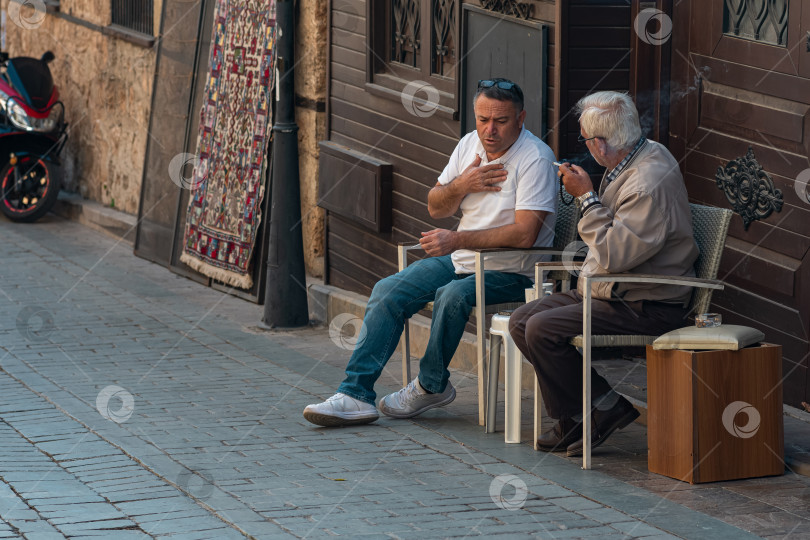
(224, 209)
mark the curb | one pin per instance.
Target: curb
(96, 216)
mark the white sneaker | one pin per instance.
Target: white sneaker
(414, 400)
(341, 410)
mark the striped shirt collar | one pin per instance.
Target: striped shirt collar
(617, 170)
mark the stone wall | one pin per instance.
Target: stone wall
(106, 86)
(310, 92)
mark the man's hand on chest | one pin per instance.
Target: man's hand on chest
(477, 178)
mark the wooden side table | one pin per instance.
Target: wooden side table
(715, 415)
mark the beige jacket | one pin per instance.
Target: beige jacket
(644, 226)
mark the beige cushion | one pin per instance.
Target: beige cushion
(729, 337)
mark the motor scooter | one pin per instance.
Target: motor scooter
(33, 133)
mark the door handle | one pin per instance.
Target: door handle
(808, 41)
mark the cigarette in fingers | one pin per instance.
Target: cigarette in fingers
(556, 163)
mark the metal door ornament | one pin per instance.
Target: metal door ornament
(749, 189)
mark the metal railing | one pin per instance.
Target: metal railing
(136, 15)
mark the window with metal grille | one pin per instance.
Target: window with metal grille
(414, 41)
(134, 14)
(758, 21)
(421, 34)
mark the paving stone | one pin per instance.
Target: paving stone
(219, 533)
(605, 515)
(575, 503)
(152, 506)
(118, 535)
(111, 526)
(636, 528)
(44, 535)
(171, 513)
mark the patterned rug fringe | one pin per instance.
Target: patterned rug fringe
(242, 281)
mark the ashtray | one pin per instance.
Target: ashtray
(708, 320)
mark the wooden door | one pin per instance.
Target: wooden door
(740, 90)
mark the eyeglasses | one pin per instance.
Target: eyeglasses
(582, 139)
(503, 85)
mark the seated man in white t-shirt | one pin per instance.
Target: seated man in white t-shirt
(502, 178)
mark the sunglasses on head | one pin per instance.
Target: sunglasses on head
(503, 85)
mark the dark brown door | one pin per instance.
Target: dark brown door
(740, 81)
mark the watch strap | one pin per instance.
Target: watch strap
(587, 198)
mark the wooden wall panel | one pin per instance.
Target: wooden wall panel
(593, 54)
(417, 170)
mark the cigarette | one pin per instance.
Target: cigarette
(556, 163)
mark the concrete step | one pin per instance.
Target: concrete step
(96, 216)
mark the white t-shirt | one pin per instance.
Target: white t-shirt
(531, 184)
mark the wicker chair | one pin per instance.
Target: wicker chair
(565, 231)
(710, 227)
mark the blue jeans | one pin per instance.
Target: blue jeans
(397, 297)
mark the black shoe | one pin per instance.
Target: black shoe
(604, 423)
(565, 432)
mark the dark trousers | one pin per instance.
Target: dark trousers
(542, 329)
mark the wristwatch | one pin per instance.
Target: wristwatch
(586, 199)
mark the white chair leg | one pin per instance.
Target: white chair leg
(402, 259)
(512, 372)
(538, 415)
(499, 333)
(406, 354)
(586, 375)
(480, 336)
(493, 367)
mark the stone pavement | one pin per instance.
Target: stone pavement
(135, 403)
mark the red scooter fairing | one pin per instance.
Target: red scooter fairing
(32, 136)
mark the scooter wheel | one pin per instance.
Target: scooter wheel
(28, 188)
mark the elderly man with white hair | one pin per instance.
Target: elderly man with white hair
(640, 222)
